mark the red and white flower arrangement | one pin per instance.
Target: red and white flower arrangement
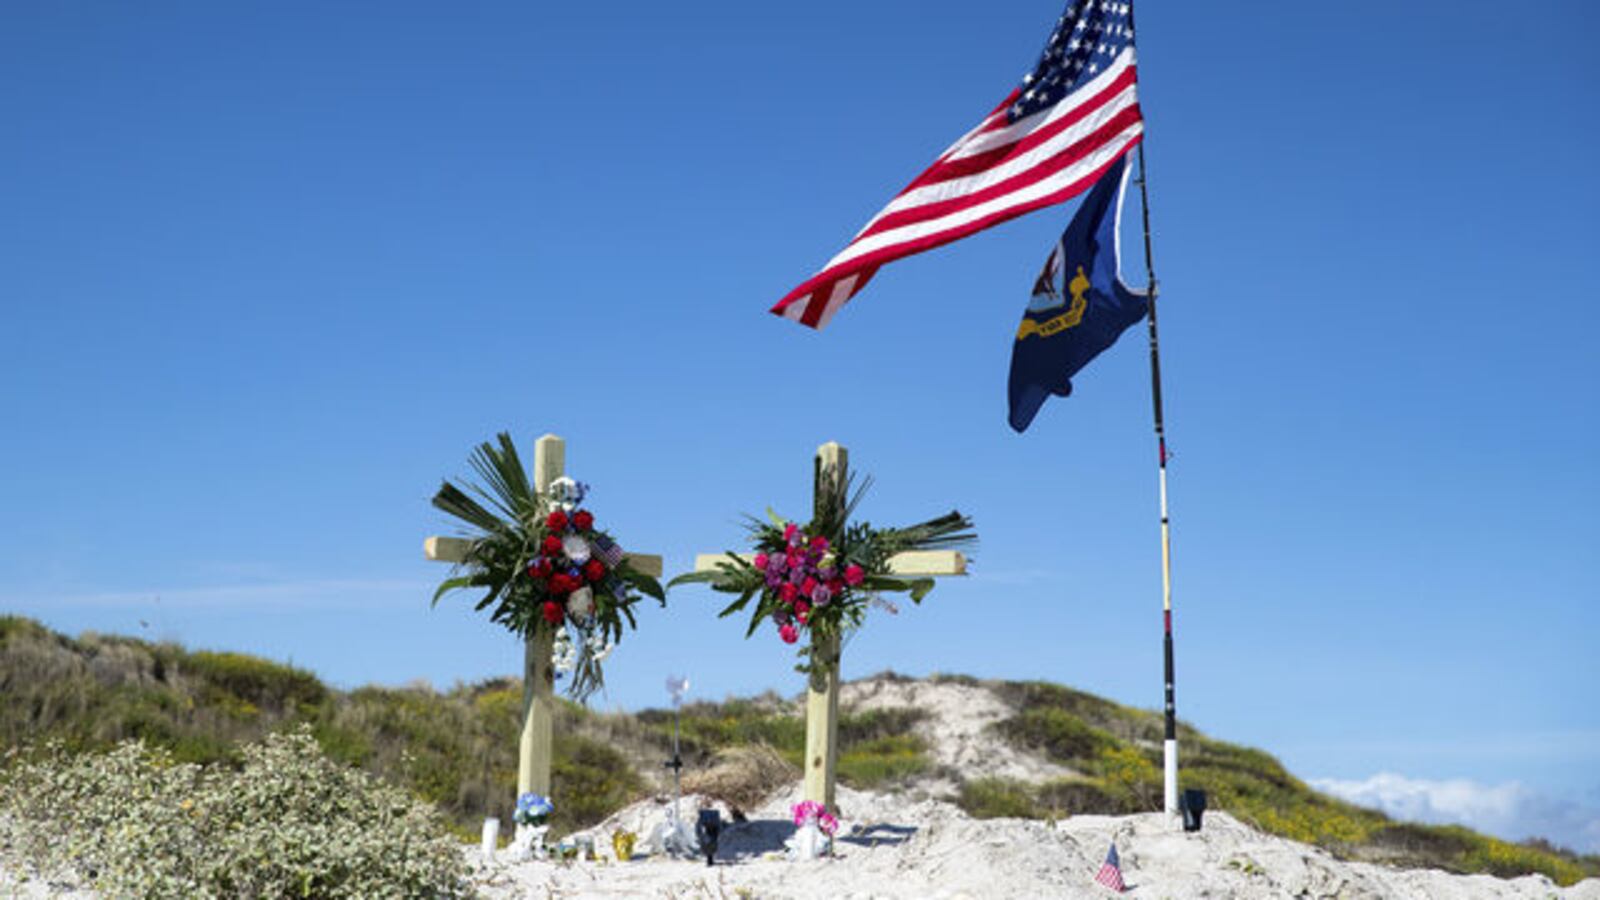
(544, 564)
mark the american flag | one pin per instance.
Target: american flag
(1111, 871)
(1050, 139)
(607, 551)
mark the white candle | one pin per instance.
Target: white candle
(491, 835)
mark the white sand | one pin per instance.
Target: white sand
(893, 847)
(956, 729)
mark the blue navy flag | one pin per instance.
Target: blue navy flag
(1080, 305)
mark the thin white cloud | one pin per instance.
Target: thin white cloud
(1511, 810)
(336, 593)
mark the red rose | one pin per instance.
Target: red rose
(808, 586)
(594, 570)
(534, 572)
(552, 612)
(836, 586)
(787, 592)
(557, 521)
(552, 544)
(854, 574)
(801, 609)
(789, 633)
(583, 520)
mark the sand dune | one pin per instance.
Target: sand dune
(891, 846)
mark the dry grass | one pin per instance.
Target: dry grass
(742, 776)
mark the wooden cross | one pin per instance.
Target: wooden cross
(822, 693)
(538, 674)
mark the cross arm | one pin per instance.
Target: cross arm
(454, 550)
(914, 562)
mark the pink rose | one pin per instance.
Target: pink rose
(791, 532)
(854, 574)
(819, 543)
(788, 592)
(789, 633)
(760, 561)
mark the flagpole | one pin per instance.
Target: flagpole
(1169, 744)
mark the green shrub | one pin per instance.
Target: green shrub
(881, 762)
(1059, 735)
(1508, 860)
(993, 798)
(257, 682)
(289, 822)
(1083, 796)
(1117, 720)
(588, 781)
(1129, 775)
(897, 721)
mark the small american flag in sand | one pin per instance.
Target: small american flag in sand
(1111, 871)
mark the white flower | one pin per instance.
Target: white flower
(576, 548)
(580, 603)
(565, 494)
(563, 655)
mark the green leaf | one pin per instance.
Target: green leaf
(694, 578)
(736, 605)
(451, 584)
(642, 583)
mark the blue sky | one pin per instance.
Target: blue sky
(268, 272)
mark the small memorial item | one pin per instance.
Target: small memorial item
(706, 830)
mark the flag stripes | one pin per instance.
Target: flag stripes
(999, 170)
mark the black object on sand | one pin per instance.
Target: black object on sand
(706, 830)
(1193, 805)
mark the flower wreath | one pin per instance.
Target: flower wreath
(544, 564)
(820, 578)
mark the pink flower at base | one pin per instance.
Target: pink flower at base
(806, 810)
(828, 824)
(789, 633)
(854, 574)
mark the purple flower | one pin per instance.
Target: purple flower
(820, 595)
(826, 573)
(797, 574)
